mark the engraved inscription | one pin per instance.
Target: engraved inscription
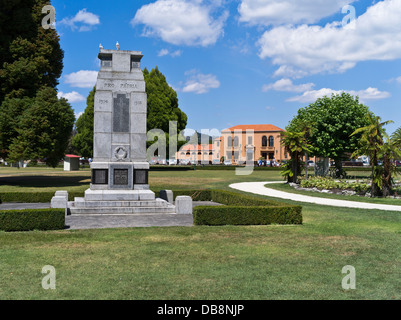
(109, 85)
(141, 176)
(128, 86)
(121, 177)
(121, 114)
(99, 176)
(103, 101)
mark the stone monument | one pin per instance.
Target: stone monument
(119, 167)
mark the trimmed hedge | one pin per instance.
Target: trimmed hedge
(241, 209)
(34, 197)
(206, 167)
(32, 219)
(252, 215)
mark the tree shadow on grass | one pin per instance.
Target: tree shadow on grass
(45, 181)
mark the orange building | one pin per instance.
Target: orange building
(195, 154)
(244, 143)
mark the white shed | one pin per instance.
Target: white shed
(71, 162)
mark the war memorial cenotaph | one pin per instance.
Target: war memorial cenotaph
(119, 169)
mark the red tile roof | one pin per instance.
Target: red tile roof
(199, 147)
(72, 156)
(255, 128)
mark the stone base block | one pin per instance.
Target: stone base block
(183, 205)
(119, 195)
(60, 200)
(167, 195)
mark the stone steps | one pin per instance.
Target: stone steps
(123, 210)
(158, 206)
(81, 203)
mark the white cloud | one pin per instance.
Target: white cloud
(397, 80)
(181, 22)
(278, 12)
(165, 52)
(71, 96)
(288, 86)
(83, 20)
(364, 95)
(77, 115)
(82, 79)
(303, 50)
(200, 83)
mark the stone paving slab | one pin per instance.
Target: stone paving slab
(79, 222)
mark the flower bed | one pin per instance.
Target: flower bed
(340, 186)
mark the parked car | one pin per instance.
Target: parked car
(397, 163)
(311, 163)
(228, 163)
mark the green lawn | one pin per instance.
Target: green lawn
(31, 180)
(252, 262)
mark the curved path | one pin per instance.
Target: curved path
(259, 188)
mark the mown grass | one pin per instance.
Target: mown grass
(241, 262)
(256, 262)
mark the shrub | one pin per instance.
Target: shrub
(245, 210)
(329, 184)
(32, 219)
(34, 197)
(250, 215)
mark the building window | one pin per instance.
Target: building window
(236, 142)
(271, 141)
(264, 141)
(250, 140)
(230, 141)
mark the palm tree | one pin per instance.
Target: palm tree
(396, 138)
(372, 144)
(296, 146)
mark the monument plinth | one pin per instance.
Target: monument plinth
(119, 168)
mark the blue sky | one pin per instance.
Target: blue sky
(242, 61)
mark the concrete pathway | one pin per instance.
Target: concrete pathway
(259, 188)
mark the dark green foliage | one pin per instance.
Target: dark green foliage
(43, 129)
(10, 114)
(332, 120)
(245, 210)
(162, 103)
(30, 56)
(33, 219)
(83, 140)
(31, 62)
(162, 107)
(222, 215)
(234, 198)
(34, 197)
